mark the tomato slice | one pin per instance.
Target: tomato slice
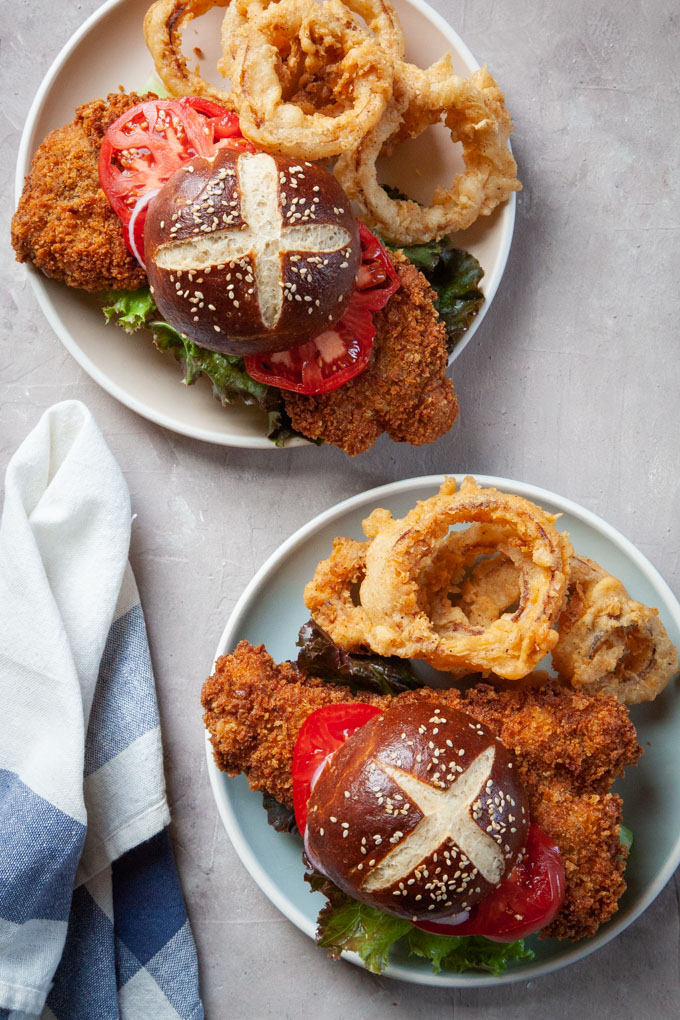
(224, 123)
(320, 365)
(377, 280)
(143, 148)
(342, 352)
(525, 902)
(149, 142)
(322, 733)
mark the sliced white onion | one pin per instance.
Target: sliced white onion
(319, 769)
(140, 204)
(452, 920)
(312, 858)
(314, 780)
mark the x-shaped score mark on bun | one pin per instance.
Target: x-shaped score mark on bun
(248, 252)
(420, 813)
(263, 238)
(446, 817)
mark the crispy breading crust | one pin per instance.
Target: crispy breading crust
(558, 733)
(254, 711)
(585, 826)
(403, 391)
(64, 223)
(569, 748)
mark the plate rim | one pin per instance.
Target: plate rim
(39, 284)
(576, 952)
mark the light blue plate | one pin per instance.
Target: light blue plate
(271, 611)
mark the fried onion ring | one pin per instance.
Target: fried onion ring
(233, 28)
(380, 18)
(512, 645)
(452, 583)
(422, 97)
(405, 568)
(230, 33)
(608, 643)
(331, 594)
(475, 114)
(382, 21)
(163, 26)
(491, 589)
(341, 76)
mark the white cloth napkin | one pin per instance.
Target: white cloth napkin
(81, 772)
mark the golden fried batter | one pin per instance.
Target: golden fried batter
(403, 391)
(254, 711)
(570, 747)
(64, 223)
(556, 732)
(586, 828)
(609, 643)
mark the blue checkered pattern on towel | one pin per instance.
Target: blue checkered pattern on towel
(129, 950)
(93, 917)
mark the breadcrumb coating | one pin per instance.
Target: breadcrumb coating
(403, 391)
(569, 747)
(64, 223)
(254, 711)
(585, 826)
(559, 733)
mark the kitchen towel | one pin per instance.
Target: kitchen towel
(92, 918)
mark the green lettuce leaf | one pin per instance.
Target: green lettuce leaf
(625, 837)
(360, 929)
(454, 274)
(279, 816)
(129, 309)
(469, 952)
(320, 656)
(626, 842)
(132, 310)
(155, 85)
(344, 924)
(424, 257)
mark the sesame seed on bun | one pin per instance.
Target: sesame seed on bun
(248, 252)
(419, 813)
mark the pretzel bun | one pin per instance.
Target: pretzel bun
(420, 813)
(248, 252)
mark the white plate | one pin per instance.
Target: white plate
(108, 51)
(271, 611)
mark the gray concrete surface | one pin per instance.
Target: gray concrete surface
(572, 383)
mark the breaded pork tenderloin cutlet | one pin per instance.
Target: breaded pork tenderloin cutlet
(585, 826)
(254, 710)
(64, 223)
(403, 391)
(569, 748)
(559, 732)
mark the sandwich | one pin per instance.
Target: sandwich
(481, 811)
(301, 308)
(406, 800)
